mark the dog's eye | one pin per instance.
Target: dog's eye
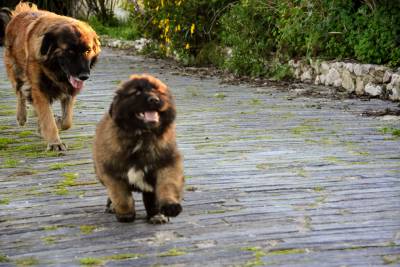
(87, 52)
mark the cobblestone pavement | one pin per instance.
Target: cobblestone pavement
(270, 180)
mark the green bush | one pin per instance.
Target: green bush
(128, 30)
(183, 27)
(263, 31)
(376, 34)
(263, 35)
(248, 29)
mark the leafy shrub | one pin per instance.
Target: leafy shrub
(183, 26)
(376, 34)
(249, 28)
(128, 30)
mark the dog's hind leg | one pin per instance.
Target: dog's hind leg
(15, 75)
(21, 103)
(65, 121)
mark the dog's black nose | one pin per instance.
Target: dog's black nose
(153, 99)
(83, 76)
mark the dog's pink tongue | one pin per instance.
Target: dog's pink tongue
(76, 83)
(151, 116)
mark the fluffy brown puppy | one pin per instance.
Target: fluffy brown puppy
(5, 16)
(135, 150)
(48, 57)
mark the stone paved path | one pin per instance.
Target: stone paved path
(271, 180)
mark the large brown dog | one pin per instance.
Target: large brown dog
(135, 150)
(48, 57)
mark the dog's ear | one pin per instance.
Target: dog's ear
(49, 43)
(6, 11)
(96, 44)
(111, 110)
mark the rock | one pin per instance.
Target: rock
(349, 67)
(394, 87)
(307, 76)
(317, 80)
(324, 68)
(373, 89)
(316, 66)
(359, 86)
(140, 44)
(357, 69)
(333, 78)
(365, 68)
(347, 81)
(387, 76)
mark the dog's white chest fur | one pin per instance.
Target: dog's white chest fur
(136, 178)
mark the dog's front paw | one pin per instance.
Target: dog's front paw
(127, 217)
(171, 210)
(21, 118)
(158, 219)
(109, 206)
(56, 147)
(62, 124)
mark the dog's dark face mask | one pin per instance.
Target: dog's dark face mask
(140, 106)
(65, 50)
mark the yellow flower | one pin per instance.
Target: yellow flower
(162, 3)
(187, 46)
(192, 28)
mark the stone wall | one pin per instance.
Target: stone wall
(361, 79)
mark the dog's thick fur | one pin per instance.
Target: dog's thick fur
(47, 58)
(5, 16)
(135, 150)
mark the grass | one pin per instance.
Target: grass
(4, 201)
(10, 163)
(30, 261)
(51, 227)
(62, 165)
(69, 178)
(123, 256)
(172, 253)
(24, 134)
(5, 141)
(286, 251)
(258, 253)
(87, 229)
(89, 261)
(395, 132)
(220, 95)
(4, 258)
(127, 31)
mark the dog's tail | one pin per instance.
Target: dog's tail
(24, 7)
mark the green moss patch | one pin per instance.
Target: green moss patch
(123, 256)
(4, 201)
(91, 261)
(258, 253)
(286, 251)
(30, 261)
(10, 163)
(172, 253)
(87, 229)
(4, 258)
